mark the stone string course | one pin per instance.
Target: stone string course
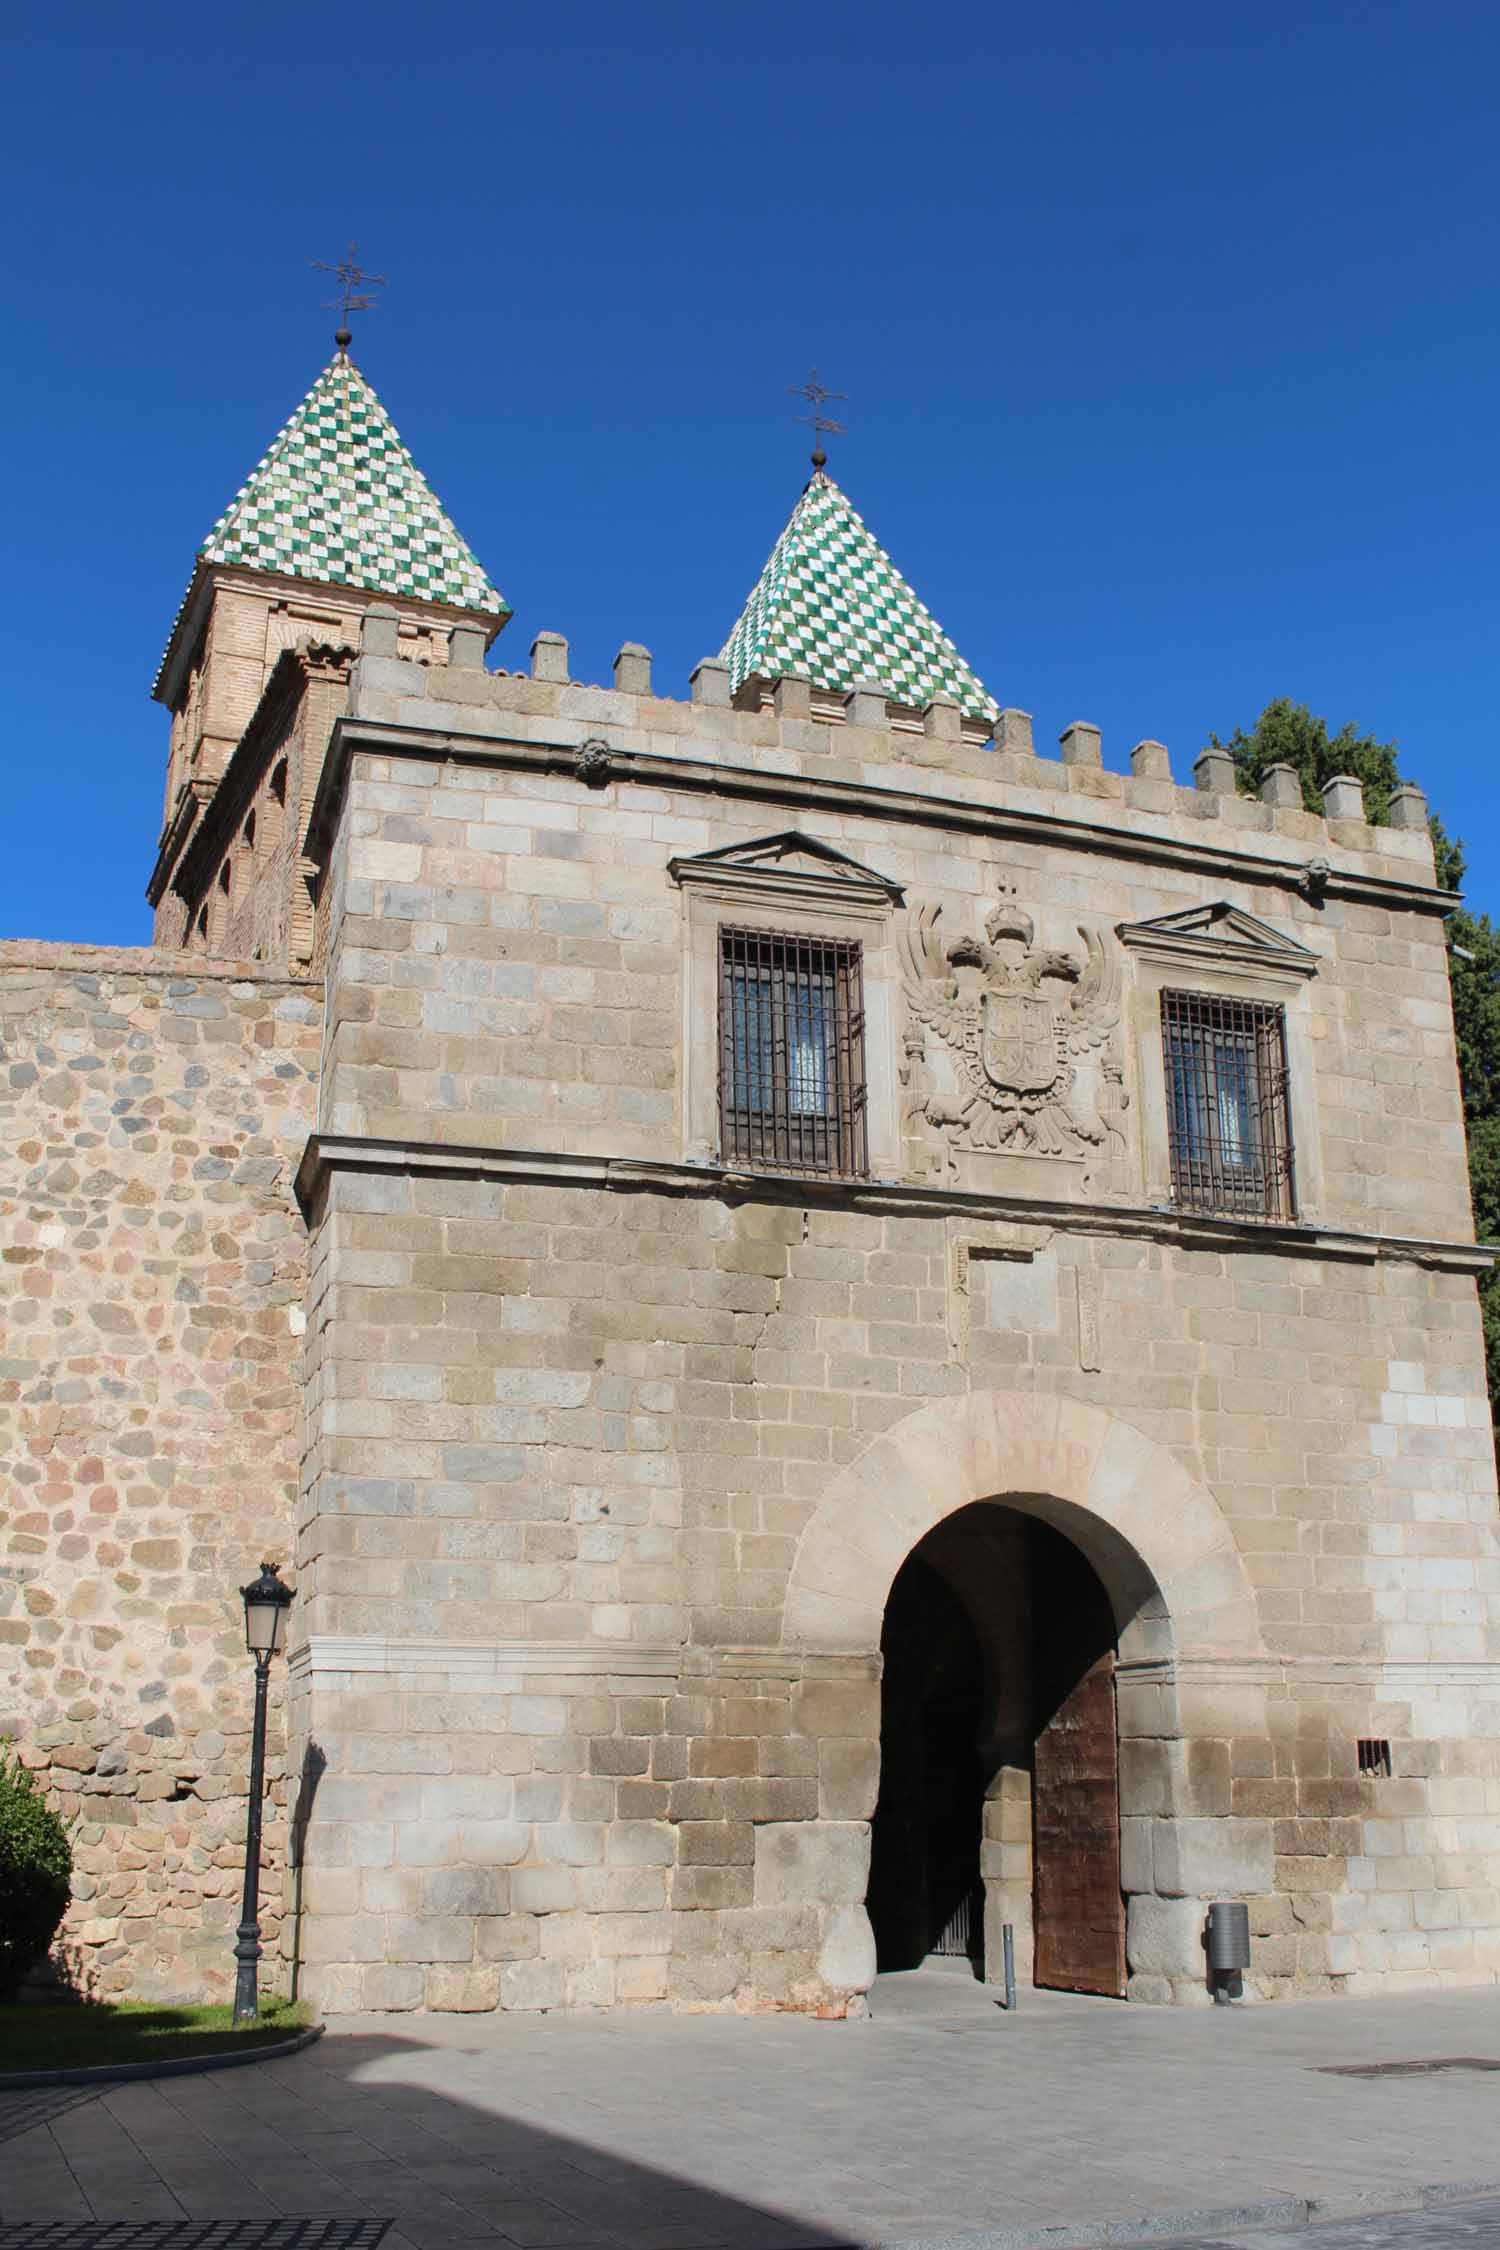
(153, 1266)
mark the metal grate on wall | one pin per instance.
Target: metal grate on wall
(791, 1052)
(1227, 1107)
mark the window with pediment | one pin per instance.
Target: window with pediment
(1227, 1064)
(791, 1051)
(788, 1062)
(1228, 1114)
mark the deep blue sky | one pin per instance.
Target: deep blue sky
(1170, 338)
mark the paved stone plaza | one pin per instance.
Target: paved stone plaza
(938, 2120)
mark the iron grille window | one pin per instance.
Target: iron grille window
(1227, 1110)
(791, 1052)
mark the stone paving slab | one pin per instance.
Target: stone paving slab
(1460, 2226)
(942, 2120)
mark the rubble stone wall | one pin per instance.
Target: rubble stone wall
(153, 1268)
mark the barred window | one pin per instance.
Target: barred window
(791, 1052)
(1227, 1107)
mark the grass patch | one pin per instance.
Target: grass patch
(84, 2033)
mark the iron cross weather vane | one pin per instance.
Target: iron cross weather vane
(354, 284)
(818, 397)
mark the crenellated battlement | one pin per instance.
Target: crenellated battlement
(789, 727)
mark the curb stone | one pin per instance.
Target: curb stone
(181, 2066)
(1167, 2226)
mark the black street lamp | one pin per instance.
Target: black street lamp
(266, 1601)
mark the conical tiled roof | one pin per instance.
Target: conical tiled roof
(338, 498)
(831, 607)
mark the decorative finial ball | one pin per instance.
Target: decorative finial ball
(342, 338)
(819, 458)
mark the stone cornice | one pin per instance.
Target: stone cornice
(327, 1152)
(191, 798)
(478, 1662)
(61, 957)
(870, 800)
(492, 1664)
(192, 611)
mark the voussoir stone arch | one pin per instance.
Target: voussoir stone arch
(1159, 1540)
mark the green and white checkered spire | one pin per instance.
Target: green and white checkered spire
(831, 607)
(338, 498)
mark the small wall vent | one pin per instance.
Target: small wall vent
(1374, 1757)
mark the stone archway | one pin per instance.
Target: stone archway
(1161, 1542)
(1167, 1557)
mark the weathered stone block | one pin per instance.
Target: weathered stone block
(848, 1778)
(390, 1990)
(1151, 761)
(532, 1985)
(508, 1937)
(1344, 798)
(1282, 785)
(429, 1937)
(1081, 745)
(1164, 1938)
(811, 1862)
(549, 658)
(633, 670)
(1213, 1858)
(462, 1990)
(846, 1961)
(837, 1707)
(710, 683)
(465, 1890)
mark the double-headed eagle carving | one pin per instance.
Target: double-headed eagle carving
(1025, 1037)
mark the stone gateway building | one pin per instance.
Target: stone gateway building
(852, 1334)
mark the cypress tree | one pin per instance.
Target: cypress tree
(1287, 733)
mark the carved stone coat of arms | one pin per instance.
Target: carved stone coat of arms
(1010, 1047)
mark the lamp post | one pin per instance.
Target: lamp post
(266, 1602)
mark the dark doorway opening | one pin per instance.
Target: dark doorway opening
(999, 1790)
(925, 1845)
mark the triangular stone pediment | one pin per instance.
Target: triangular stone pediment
(787, 862)
(1219, 931)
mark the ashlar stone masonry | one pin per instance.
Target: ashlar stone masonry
(619, 1446)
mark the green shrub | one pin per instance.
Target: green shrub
(36, 1867)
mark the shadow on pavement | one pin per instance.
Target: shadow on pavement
(339, 2132)
(38, 2105)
